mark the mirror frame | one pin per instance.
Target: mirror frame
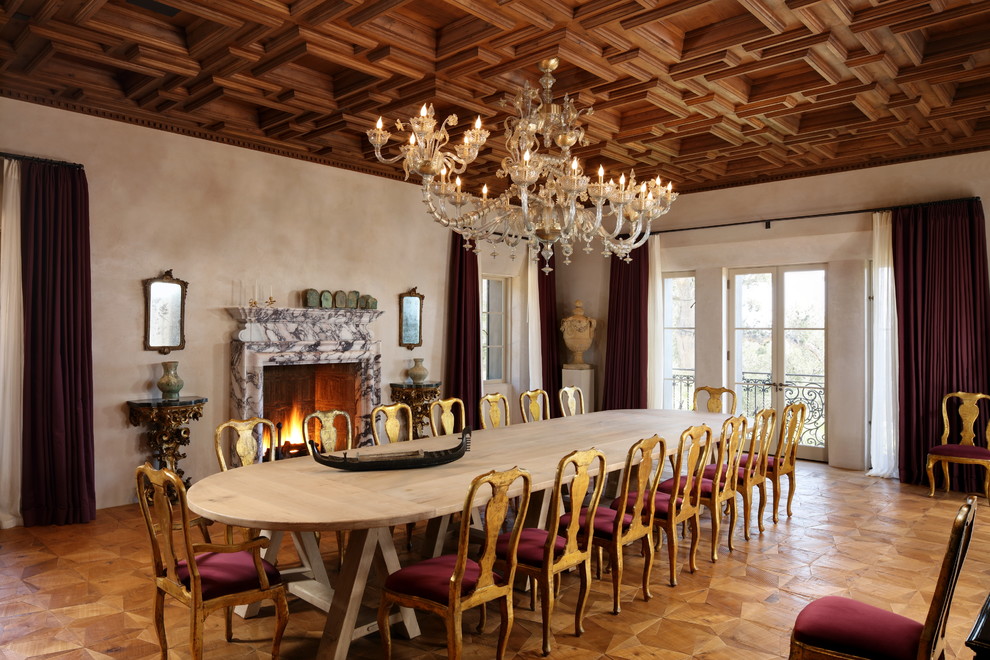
(403, 297)
(165, 278)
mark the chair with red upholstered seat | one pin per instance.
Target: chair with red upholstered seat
(836, 627)
(753, 467)
(203, 576)
(543, 555)
(715, 395)
(679, 499)
(630, 517)
(965, 452)
(450, 584)
(781, 461)
(723, 474)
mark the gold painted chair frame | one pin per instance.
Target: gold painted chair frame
(968, 414)
(162, 498)
(493, 411)
(693, 450)
(328, 430)
(488, 586)
(534, 405)
(715, 398)
(641, 476)
(249, 445)
(571, 401)
(932, 641)
(725, 479)
(754, 467)
(447, 417)
(574, 471)
(398, 425)
(785, 455)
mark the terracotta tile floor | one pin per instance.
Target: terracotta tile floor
(83, 591)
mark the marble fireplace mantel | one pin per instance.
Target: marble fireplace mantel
(268, 336)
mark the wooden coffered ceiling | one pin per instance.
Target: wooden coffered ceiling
(706, 93)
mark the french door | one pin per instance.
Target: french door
(777, 338)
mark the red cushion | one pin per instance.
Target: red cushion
(604, 523)
(961, 451)
(430, 578)
(532, 543)
(225, 573)
(710, 472)
(848, 626)
(662, 501)
(668, 486)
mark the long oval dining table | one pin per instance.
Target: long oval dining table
(300, 495)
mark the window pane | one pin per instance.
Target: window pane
(804, 299)
(495, 328)
(495, 298)
(754, 300)
(494, 364)
(753, 347)
(681, 350)
(804, 356)
(679, 302)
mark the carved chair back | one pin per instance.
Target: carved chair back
(715, 398)
(969, 412)
(447, 417)
(249, 444)
(571, 401)
(791, 426)
(693, 451)
(494, 409)
(397, 425)
(755, 461)
(534, 405)
(326, 421)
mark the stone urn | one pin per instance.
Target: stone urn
(417, 373)
(170, 383)
(579, 333)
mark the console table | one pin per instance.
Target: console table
(418, 397)
(164, 420)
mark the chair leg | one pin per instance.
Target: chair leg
(986, 483)
(931, 476)
(672, 555)
(695, 533)
(505, 605)
(763, 505)
(716, 530)
(546, 609)
(583, 593)
(733, 515)
(615, 561)
(776, 496)
(945, 474)
(791, 487)
(281, 619)
(454, 640)
(160, 621)
(747, 498)
(482, 618)
(228, 625)
(383, 629)
(196, 632)
(648, 552)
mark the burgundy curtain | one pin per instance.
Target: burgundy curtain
(626, 341)
(549, 333)
(462, 370)
(57, 466)
(943, 304)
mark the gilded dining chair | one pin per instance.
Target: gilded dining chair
(753, 467)
(449, 585)
(326, 423)
(534, 405)
(447, 417)
(630, 518)
(837, 627)
(781, 461)
(571, 401)
(494, 410)
(203, 576)
(715, 398)
(543, 556)
(679, 498)
(398, 423)
(723, 477)
(248, 446)
(965, 452)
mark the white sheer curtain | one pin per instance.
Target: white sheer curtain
(654, 352)
(883, 428)
(11, 344)
(533, 336)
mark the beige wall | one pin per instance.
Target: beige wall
(219, 215)
(843, 243)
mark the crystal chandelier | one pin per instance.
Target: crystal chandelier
(549, 201)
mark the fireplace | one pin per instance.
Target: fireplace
(281, 337)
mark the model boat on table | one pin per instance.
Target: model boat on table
(401, 456)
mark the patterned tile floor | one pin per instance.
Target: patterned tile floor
(83, 591)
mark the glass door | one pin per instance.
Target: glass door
(777, 330)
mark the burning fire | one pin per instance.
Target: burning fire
(291, 431)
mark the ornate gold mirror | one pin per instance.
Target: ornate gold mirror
(411, 319)
(164, 313)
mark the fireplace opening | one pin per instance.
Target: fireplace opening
(291, 392)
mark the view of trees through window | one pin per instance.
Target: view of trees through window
(493, 327)
(678, 341)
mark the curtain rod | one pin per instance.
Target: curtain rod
(35, 159)
(812, 215)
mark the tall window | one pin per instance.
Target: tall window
(494, 321)
(678, 340)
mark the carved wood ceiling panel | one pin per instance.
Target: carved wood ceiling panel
(706, 93)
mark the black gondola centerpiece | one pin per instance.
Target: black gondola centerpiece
(394, 456)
